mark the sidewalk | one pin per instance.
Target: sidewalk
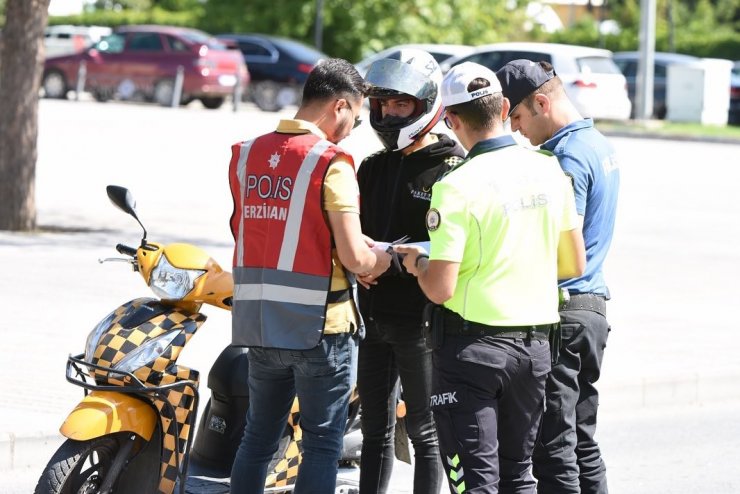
(672, 269)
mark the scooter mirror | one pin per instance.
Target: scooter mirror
(122, 198)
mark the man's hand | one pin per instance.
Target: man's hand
(382, 263)
(412, 252)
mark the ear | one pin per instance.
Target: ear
(505, 109)
(543, 102)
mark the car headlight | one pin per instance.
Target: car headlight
(146, 353)
(94, 337)
(170, 282)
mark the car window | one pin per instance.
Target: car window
(597, 65)
(490, 59)
(111, 44)
(255, 52)
(660, 70)
(534, 56)
(200, 38)
(253, 49)
(177, 44)
(145, 42)
(625, 66)
(300, 52)
(494, 60)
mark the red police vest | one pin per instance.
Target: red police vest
(282, 258)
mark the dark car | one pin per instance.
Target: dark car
(733, 116)
(142, 62)
(627, 63)
(278, 67)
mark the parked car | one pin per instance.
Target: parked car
(627, 62)
(65, 39)
(278, 67)
(733, 117)
(142, 62)
(591, 79)
(440, 52)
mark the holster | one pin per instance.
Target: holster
(432, 326)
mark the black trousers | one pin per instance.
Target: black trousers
(567, 459)
(488, 397)
(388, 351)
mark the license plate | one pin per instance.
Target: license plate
(227, 80)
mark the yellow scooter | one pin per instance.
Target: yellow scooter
(132, 432)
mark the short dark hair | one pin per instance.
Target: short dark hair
(332, 78)
(481, 113)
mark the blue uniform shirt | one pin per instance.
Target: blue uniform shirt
(587, 157)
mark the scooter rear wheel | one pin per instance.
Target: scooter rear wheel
(78, 467)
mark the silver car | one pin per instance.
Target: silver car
(591, 79)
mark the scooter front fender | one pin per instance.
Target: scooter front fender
(106, 412)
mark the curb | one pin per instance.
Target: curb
(668, 137)
(687, 390)
(22, 451)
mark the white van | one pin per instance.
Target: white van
(67, 39)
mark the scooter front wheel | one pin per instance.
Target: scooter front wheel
(79, 467)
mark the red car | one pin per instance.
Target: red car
(142, 62)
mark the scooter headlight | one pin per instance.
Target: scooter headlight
(146, 353)
(170, 282)
(94, 337)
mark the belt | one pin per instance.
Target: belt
(457, 326)
(586, 301)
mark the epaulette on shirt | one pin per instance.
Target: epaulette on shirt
(452, 162)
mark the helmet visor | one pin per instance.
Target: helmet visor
(390, 78)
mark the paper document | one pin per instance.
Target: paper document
(424, 246)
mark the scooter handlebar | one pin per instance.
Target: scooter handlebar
(126, 250)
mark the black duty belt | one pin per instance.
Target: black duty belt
(456, 325)
(586, 301)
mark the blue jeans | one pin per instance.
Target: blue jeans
(387, 352)
(322, 378)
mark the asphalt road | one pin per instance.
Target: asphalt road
(671, 377)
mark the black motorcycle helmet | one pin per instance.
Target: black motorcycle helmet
(409, 73)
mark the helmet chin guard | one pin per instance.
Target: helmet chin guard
(410, 73)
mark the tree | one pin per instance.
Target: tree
(21, 64)
(353, 29)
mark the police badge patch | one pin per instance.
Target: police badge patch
(433, 219)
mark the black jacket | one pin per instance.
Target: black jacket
(395, 192)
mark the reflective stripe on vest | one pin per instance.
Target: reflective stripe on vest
(275, 306)
(288, 308)
(297, 204)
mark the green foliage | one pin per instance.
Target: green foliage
(118, 5)
(585, 33)
(703, 28)
(352, 29)
(114, 18)
(289, 18)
